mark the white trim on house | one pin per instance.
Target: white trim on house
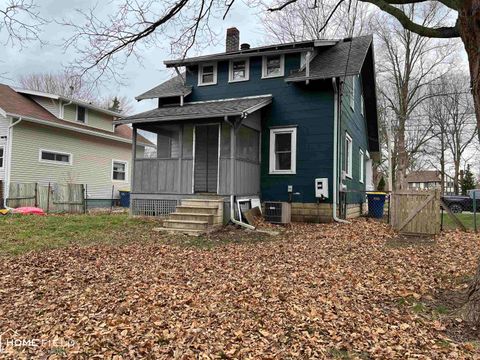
(292, 130)
(86, 115)
(264, 66)
(362, 105)
(200, 74)
(352, 92)
(55, 162)
(247, 70)
(361, 166)
(349, 159)
(126, 170)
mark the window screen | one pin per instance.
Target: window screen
(248, 144)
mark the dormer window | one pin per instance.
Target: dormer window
(81, 114)
(207, 74)
(239, 70)
(273, 66)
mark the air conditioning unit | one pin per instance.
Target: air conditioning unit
(278, 212)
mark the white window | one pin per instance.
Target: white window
(348, 155)
(55, 157)
(119, 170)
(362, 166)
(239, 70)
(362, 108)
(2, 156)
(207, 74)
(352, 93)
(273, 66)
(82, 114)
(283, 150)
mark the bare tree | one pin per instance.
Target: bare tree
(407, 64)
(20, 21)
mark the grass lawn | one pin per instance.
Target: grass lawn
(465, 218)
(108, 286)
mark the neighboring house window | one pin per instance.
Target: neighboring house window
(283, 150)
(273, 66)
(362, 165)
(81, 114)
(207, 74)
(348, 155)
(362, 106)
(119, 170)
(55, 157)
(2, 155)
(239, 70)
(352, 92)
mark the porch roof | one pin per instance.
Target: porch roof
(201, 110)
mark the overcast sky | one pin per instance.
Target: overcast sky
(51, 57)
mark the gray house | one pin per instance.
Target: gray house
(294, 123)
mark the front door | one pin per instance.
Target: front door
(206, 159)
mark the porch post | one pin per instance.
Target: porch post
(180, 158)
(134, 156)
(232, 157)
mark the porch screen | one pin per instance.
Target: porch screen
(168, 144)
(248, 144)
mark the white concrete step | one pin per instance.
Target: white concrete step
(192, 216)
(185, 224)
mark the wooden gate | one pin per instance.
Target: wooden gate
(416, 212)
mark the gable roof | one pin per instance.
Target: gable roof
(172, 87)
(423, 176)
(202, 110)
(332, 62)
(17, 105)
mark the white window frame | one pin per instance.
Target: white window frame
(352, 92)
(126, 169)
(200, 74)
(247, 70)
(264, 67)
(361, 166)
(349, 160)
(53, 162)
(2, 162)
(283, 130)
(86, 115)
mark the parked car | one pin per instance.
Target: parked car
(459, 203)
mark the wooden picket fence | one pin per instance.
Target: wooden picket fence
(416, 212)
(60, 198)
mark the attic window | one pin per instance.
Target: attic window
(239, 70)
(273, 66)
(81, 114)
(207, 74)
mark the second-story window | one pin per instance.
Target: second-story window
(81, 114)
(273, 66)
(207, 74)
(239, 70)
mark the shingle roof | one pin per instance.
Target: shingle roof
(201, 110)
(424, 176)
(172, 87)
(332, 62)
(17, 104)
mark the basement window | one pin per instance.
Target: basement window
(2, 154)
(283, 150)
(207, 74)
(273, 66)
(55, 157)
(119, 170)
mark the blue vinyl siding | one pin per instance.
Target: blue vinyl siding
(310, 107)
(355, 124)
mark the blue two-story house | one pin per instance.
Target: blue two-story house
(293, 122)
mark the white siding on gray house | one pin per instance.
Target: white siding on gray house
(3, 144)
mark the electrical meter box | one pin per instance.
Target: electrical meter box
(321, 188)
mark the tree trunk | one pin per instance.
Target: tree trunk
(469, 21)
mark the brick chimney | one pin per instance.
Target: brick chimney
(232, 42)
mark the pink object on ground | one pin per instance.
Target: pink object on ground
(28, 211)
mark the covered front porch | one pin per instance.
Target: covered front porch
(203, 150)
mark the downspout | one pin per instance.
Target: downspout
(232, 177)
(9, 157)
(336, 124)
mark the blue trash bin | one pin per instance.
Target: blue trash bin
(124, 198)
(376, 203)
